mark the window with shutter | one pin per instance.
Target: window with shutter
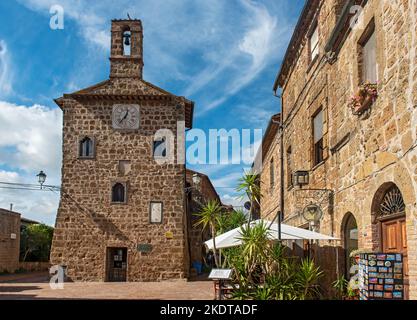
(314, 44)
(318, 138)
(369, 66)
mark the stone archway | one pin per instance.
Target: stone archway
(389, 234)
(350, 240)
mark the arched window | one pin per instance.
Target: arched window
(160, 148)
(127, 42)
(392, 203)
(86, 149)
(350, 233)
(118, 193)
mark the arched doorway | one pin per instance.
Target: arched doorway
(389, 225)
(350, 240)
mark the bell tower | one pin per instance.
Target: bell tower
(126, 58)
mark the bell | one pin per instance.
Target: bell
(127, 39)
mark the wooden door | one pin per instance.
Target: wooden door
(116, 264)
(394, 240)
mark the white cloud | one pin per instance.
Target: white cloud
(235, 201)
(9, 176)
(263, 114)
(30, 141)
(232, 42)
(30, 138)
(5, 72)
(230, 180)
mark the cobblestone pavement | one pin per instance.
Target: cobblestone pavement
(22, 289)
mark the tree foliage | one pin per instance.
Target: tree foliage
(35, 243)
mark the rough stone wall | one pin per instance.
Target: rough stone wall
(9, 248)
(379, 146)
(270, 200)
(87, 221)
(197, 236)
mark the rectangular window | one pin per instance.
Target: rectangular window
(289, 168)
(318, 138)
(369, 66)
(156, 212)
(159, 148)
(272, 174)
(314, 43)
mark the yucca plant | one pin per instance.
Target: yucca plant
(256, 246)
(307, 279)
(341, 285)
(249, 186)
(229, 221)
(208, 217)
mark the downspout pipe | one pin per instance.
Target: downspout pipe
(280, 214)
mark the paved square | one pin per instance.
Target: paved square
(23, 289)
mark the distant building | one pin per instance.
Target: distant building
(9, 240)
(197, 196)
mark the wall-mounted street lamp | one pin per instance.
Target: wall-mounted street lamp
(41, 178)
(196, 184)
(196, 179)
(301, 178)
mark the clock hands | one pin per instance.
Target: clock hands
(125, 116)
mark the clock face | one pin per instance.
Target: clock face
(126, 116)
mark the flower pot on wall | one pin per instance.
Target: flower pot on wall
(367, 102)
(364, 99)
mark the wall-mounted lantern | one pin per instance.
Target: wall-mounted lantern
(301, 178)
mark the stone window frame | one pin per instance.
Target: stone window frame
(126, 194)
(150, 211)
(363, 39)
(93, 151)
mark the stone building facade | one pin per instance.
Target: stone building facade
(362, 163)
(9, 240)
(122, 214)
(197, 196)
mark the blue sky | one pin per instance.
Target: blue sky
(222, 54)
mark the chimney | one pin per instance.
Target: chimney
(126, 59)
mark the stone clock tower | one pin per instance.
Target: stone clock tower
(122, 214)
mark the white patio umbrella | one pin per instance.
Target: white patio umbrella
(231, 238)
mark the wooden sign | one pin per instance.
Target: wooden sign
(221, 274)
